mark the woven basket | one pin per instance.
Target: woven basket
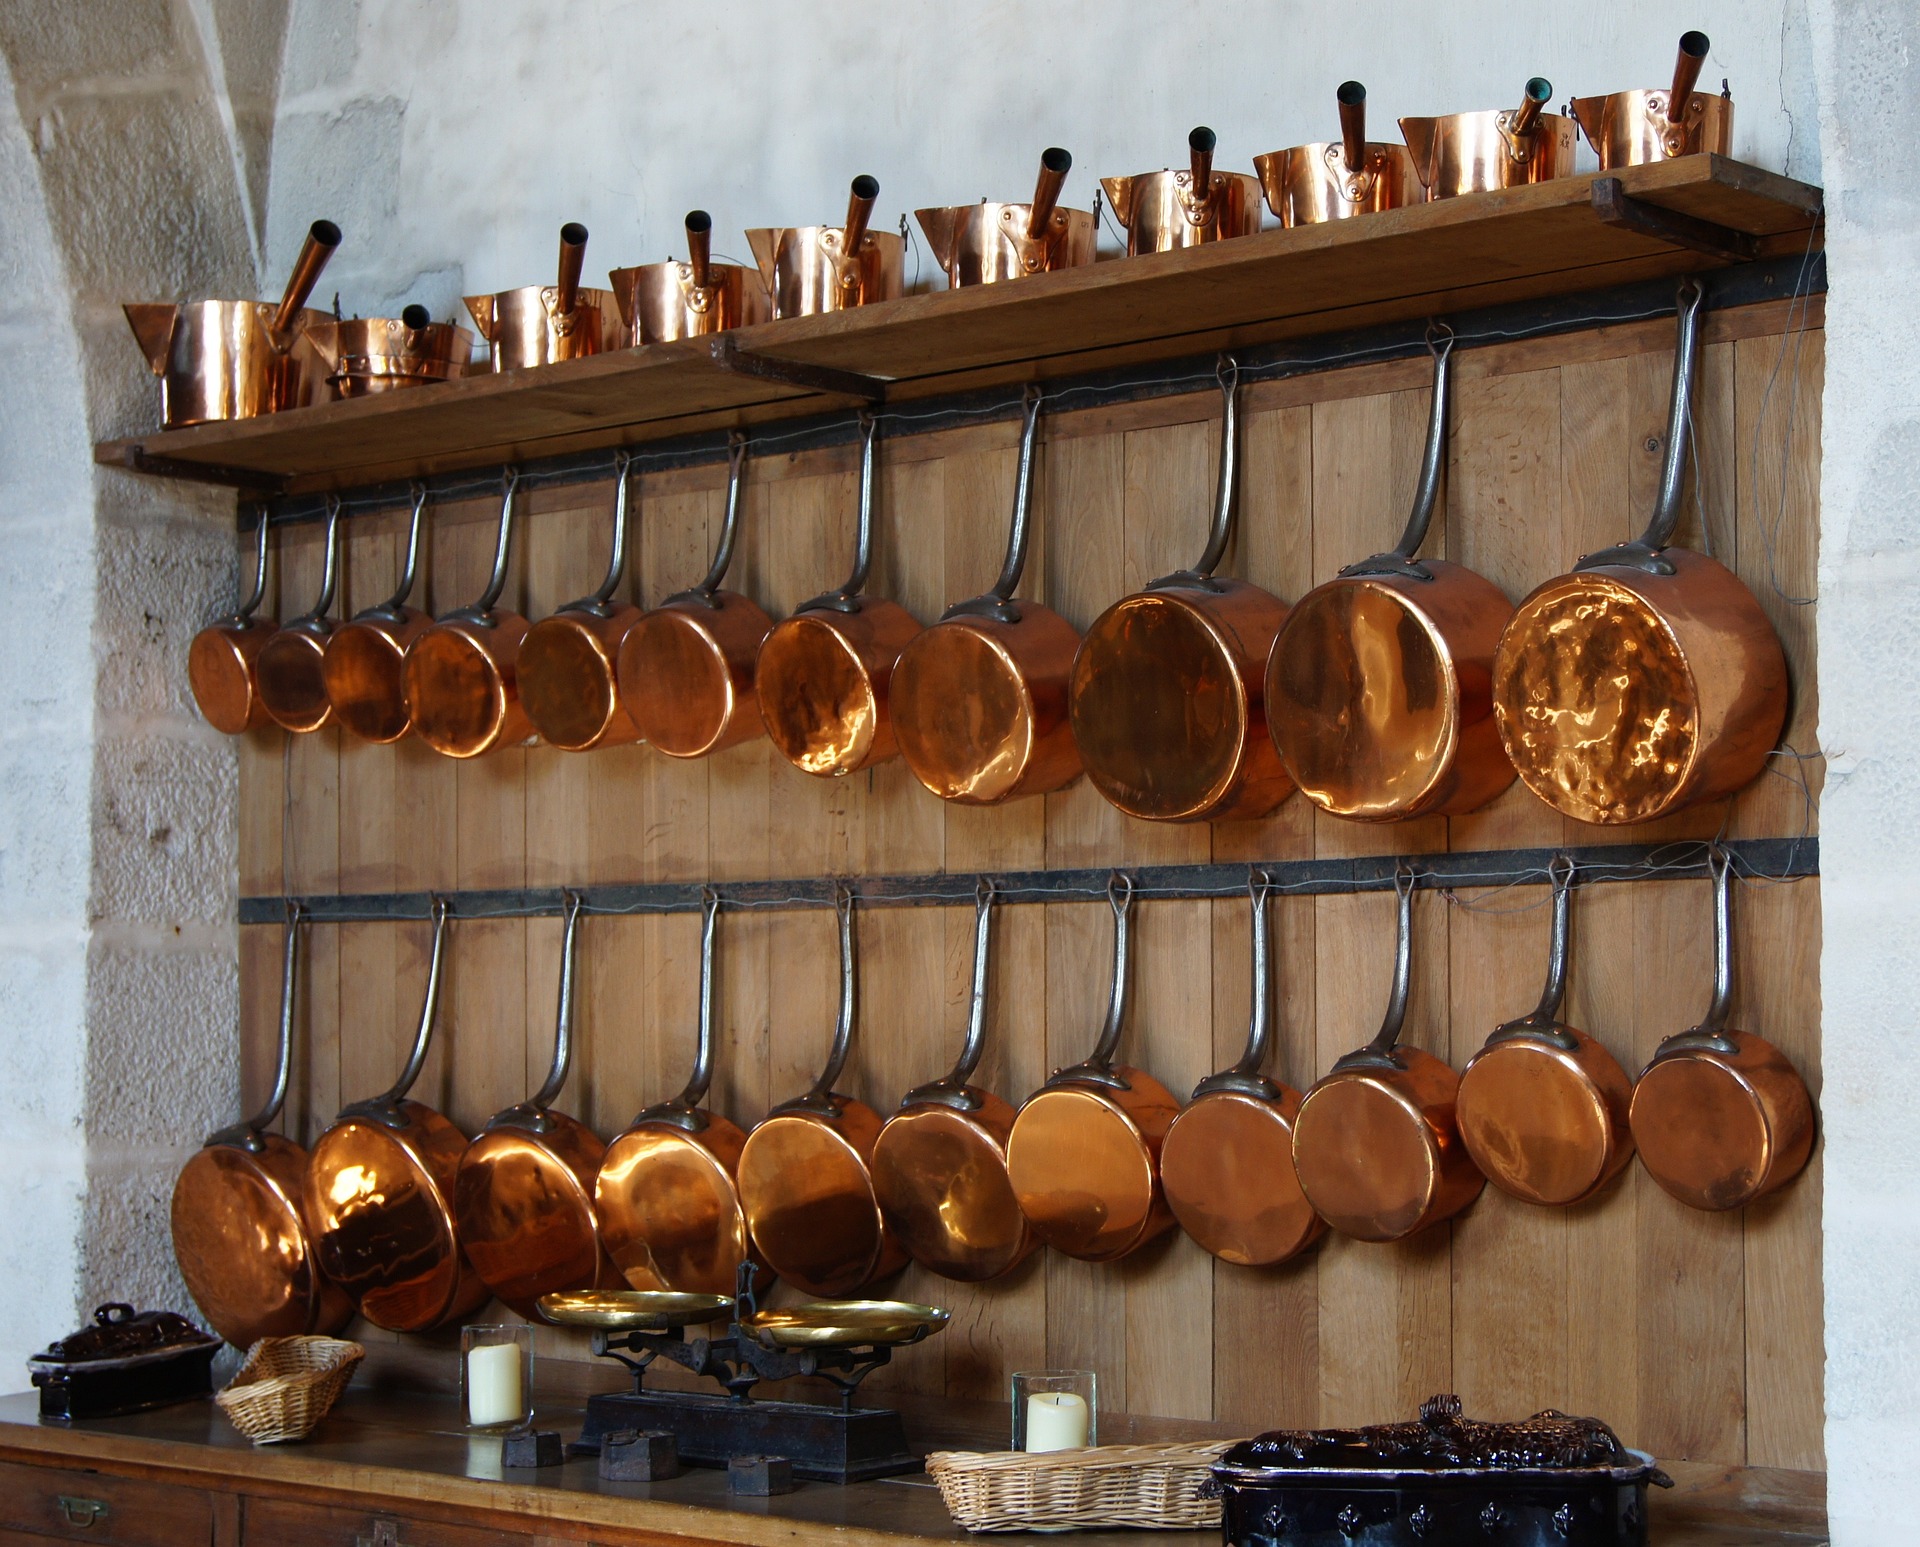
(1151, 1487)
(286, 1386)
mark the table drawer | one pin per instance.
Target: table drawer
(96, 1507)
(282, 1523)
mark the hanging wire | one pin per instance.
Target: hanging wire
(1794, 338)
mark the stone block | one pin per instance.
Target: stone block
(162, 1050)
(165, 830)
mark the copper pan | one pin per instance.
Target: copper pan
(568, 666)
(1630, 128)
(1543, 1107)
(291, 669)
(979, 700)
(662, 301)
(1167, 699)
(806, 1170)
(1649, 679)
(1349, 176)
(540, 324)
(238, 1234)
(523, 1193)
(1227, 1162)
(940, 1163)
(1161, 211)
(823, 675)
(366, 658)
(687, 667)
(813, 269)
(370, 355)
(1084, 1154)
(1376, 1146)
(1378, 686)
(222, 660)
(1473, 152)
(1720, 1116)
(984, 243)
(379, 1195)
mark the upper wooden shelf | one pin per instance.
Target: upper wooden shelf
(1550, 239)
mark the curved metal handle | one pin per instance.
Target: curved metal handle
(953, 1089)
(482, 608)
(1227, 486)
(847, 597)
(1244, 1077)
(1711, 1034)
(259, 592)
(247, 1134)
(395, 604)
(820, 1097)
(1542, 1023)
(997, 601)
(1380, 1052)
(329, 567)
(597, 600)
(1097, 1067)
(1399, 559)
(429, 1007)
(541, 1099)
(729, 524)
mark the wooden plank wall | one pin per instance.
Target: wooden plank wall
(1697, 1336)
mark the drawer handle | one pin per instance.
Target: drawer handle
(81, 1512)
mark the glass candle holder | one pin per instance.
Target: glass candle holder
(496, 1376)
(1055, 1410)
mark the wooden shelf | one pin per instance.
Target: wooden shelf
(1521, 244)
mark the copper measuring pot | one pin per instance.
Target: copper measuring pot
(979, 700)
(238, 1234)
(1472, 152)
(366, 657)
(237, 359)
(1167, 698)
(812, 269)
(379, 1195)
(1165, 210)
(1084, 1154)
(823, 674)
(539, 324)
(687, 667)
(1375, 1144)
(1721, 1116)
(370, 355)
(568, 666)
(222, 659)
(290, 671)
(1630, 128)
(984, 243)
(1350, 176)
(1227, 1162)
(806, 1170)
(1378, 688)
(663, 301)
(523, 1193)
(1649, 679)
(940, 1163)
(1542, 1106)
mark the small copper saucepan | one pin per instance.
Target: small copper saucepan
(291, 669)
(823, 674)
(981, 244)
(1472, 152)
(1630, 128)
(222, 659)
(1350, 176)
(940, 1163)
(1720, 1116)
(1375, 1145)
(806, 1170)
(1543, 1107)
(979, 700)
(1227, 1163)
(539, 324)
(370, 355)
(1164, 210)
(812, 269)
(366, 657)
(662, 301)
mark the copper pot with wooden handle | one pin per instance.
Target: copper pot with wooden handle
(291, 668)
(985, 243)
(814, 269)
(541, 324)
(663, 301)
(1342, 178)
(1162, 211)
(1631, 128)
(366, 658)
(1473, 152)
(222, 660)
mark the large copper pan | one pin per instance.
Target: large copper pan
(1649, 679)
(1161, 211)
(662, 301)
(1348, 176)
(1630, 128)
(813, 269)
(984, 243)
(222, 659)
(366, 657)
(940, 1163)
(366, 356)
(1227, 1162)
(238, 1233)
(1167, 700)
(539, 324)
(291, 667)
(1473, 152)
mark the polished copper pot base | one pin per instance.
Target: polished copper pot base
(220, 671)
(1227, 1167)
(670, 1213)
(1718, 1128)
(806, 1183)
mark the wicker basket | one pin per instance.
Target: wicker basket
(1152, 1487)
(286, 1386)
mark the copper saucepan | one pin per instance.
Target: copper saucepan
(1349, 176)
(371, 355)
(1649, 679)
(222, 659)
(1542, 1106)
(806, 1171)
(940, 1163)
(366, 657)
(813, 269)
(1227, 1162)
(1472, 152)
(979, 700)
(823, 674)
(1720, 1116)
(539, 324)
(1630, 128)
(291, 669)
(238, 1233)
(1165, 210)
(1167, 699)
(662, 301)
(1376, 1145)
(984, 243)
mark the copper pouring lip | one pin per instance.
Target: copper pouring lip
(1475, 152)
(291, 667)
(365, 660)
(663, 301)
(987, 243)
(1170, 209)
(222, 660)
(812, 269)
(1631, 128)
(1306, 184)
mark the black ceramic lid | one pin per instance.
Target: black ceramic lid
(120, 1333)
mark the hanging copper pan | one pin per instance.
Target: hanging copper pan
(806, 1171)
(1378, 685)
(824, 674)
(1165, 210)
(539, 324)
(986, 243)
(291, 667)
(663, 301)
(1631, 128)
(379, 1195)
(222, 659)
(1167, 699)
(686, 668)
(523, 1195)
(1649, 679)
(1227, 1163)
(366, 657)
(1720, 1116)
(940, 1163)
(1543, 1107)
(979, 700)
(238, 1234)
(1475, 152)
(1375, 1145)
(1351, 176)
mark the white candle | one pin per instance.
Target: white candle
(493, 1384)
(1056, 1420)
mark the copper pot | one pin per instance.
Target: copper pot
(1543, 1107)
(940, 1163)
(222, 660)
(984, 243)
(238, 1234)
(371, 355)
(1720, 1116)
(1631, 128)
(1165, 210)
(1167, 698)
(979, 700)
(1350, 176)
(663, 301)
(291, 669)
(1084, 1154)
(823, 675)
(1376, 1146)
(1472, 152)
(1227, 1162)
(1649, 679)
(366, 658)
(1378, 688)
(540, 324)
(813, 269)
